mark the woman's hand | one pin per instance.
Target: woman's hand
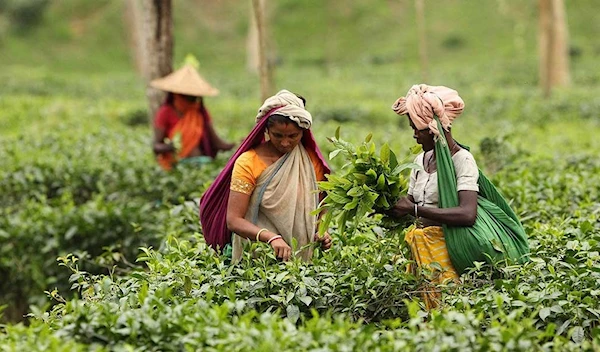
(403, 206)
(282, 250)
(325, 240)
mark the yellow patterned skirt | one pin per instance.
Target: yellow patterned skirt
(428, 246)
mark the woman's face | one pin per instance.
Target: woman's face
(285, 136)
(423, 137)
(184, 102)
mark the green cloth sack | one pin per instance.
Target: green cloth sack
(497, 233)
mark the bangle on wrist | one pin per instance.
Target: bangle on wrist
(258, 234)
(276, 237)
(416, 215)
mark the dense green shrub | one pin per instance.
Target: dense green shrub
(188, 298)
(365, 282)
(94, 194)
(118, 164)
(25, 14)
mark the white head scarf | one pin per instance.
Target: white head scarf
(289, 105)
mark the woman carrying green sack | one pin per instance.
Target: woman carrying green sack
(461, 217)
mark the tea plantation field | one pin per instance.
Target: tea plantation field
(100, 250)
(78, 183)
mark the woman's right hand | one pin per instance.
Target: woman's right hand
(282, 250)
(402, 207)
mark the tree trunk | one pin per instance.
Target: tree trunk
(266, 81)
(133, 25)
(252, 44)
(156, 46)
(553, 44)
(421, 28)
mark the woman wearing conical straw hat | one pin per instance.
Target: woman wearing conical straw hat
(183, 129)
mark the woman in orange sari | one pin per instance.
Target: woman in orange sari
(183, 129)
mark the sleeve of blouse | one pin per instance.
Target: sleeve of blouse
(467, 173)
(413, 176)
(242, 178)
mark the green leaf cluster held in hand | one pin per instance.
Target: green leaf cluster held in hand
(369, 181)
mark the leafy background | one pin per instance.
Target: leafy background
(78, 182)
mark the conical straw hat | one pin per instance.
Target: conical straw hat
(186, 81)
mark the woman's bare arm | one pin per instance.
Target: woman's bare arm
(159, 146)
(462, 215)
(236, 211)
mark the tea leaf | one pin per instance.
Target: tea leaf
(293, 313)
(385, 153)
(578, 334)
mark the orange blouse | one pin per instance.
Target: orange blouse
(249, 166)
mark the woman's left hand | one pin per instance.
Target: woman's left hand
(325, 240)
(402, 207)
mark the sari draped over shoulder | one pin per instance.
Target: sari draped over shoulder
(496, 235)
(285, 195)
(191, 131)
(279, 190)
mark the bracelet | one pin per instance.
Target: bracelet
(273, 239)
(416, 215)
(259, 232)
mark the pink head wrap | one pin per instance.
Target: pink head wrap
(422, 102)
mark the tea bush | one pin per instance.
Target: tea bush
(62, 196)
(87, 193)
(189, 299)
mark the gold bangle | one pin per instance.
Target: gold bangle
(258, 234)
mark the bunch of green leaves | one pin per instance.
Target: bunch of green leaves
(368, 182)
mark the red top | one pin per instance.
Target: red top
(166, 118)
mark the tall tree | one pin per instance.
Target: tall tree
(265, 70)
(553, 44)
(152, 24)
(252, 44)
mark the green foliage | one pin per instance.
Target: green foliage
(341, 281)
(38, 337)
(97, 194)
(188, 298)
(64, 196)
(190, 59)
(368, 182)
(24, 14)
(138, 117)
